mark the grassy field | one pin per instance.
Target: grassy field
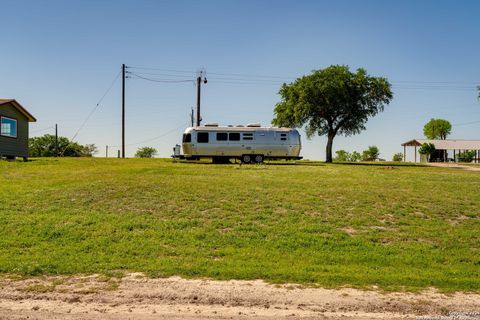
(404, 227)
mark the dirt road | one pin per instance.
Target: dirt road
(138, 297)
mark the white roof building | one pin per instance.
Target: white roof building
(449, 144)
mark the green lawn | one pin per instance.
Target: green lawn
(405, 227)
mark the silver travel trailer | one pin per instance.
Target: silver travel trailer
(251, 143)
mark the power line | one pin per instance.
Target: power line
(160, 69)
(433, 88)
(96, 106)
(437, 82)
(441, 86)
(291, 76)
(212, 73)
(400, 87)
(249, 75)
(242, 78)
(160, 80)
(465, 123)
(160, 74)
(91, 112)
(41, 130)
(246, 80)
(156, 137)
(247, 83)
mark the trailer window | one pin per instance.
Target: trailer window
(283, 136)
(187, 137)
(234, 136)
(248, 136)
(202, 137)
(222, 136)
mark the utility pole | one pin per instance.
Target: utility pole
(192, 117)
(106, 151)
(56, 140)
(123, 110)
(199, 84)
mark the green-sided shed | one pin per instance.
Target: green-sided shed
(14, 119)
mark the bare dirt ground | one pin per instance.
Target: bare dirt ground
(455, 166)
(138, 297)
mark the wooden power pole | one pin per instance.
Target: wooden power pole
(199, 84)
(123, 110)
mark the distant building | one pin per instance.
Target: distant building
(446, 150)
(14, 121)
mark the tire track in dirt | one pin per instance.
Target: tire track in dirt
(138, 297)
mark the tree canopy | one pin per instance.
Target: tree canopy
(397, 157)
(427, 149)
(466, 156)
(44, 146)
(371, 154)
(437, 129)
(355, 156)
(145, 152)
(342, 156)
(332, 101)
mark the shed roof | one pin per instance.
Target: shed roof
(19, 107)
(449, 144)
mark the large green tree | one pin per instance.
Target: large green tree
(332, 101)
(437, 129)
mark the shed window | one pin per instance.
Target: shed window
(187, 137)
(202, 137)
(8, 127)
(222, 136)
(234, 136)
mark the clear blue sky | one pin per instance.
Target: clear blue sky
(59, 57)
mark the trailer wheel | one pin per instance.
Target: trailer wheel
(246, 158)
(259, 158)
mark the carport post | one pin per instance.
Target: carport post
(404, 153)
(415, 154)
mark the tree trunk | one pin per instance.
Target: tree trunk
(331, 135)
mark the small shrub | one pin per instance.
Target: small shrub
(371, 154)
(355, 156)
(466, 156)
(146, 152)
(427, 149)
(398, 157)
(342, 156)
